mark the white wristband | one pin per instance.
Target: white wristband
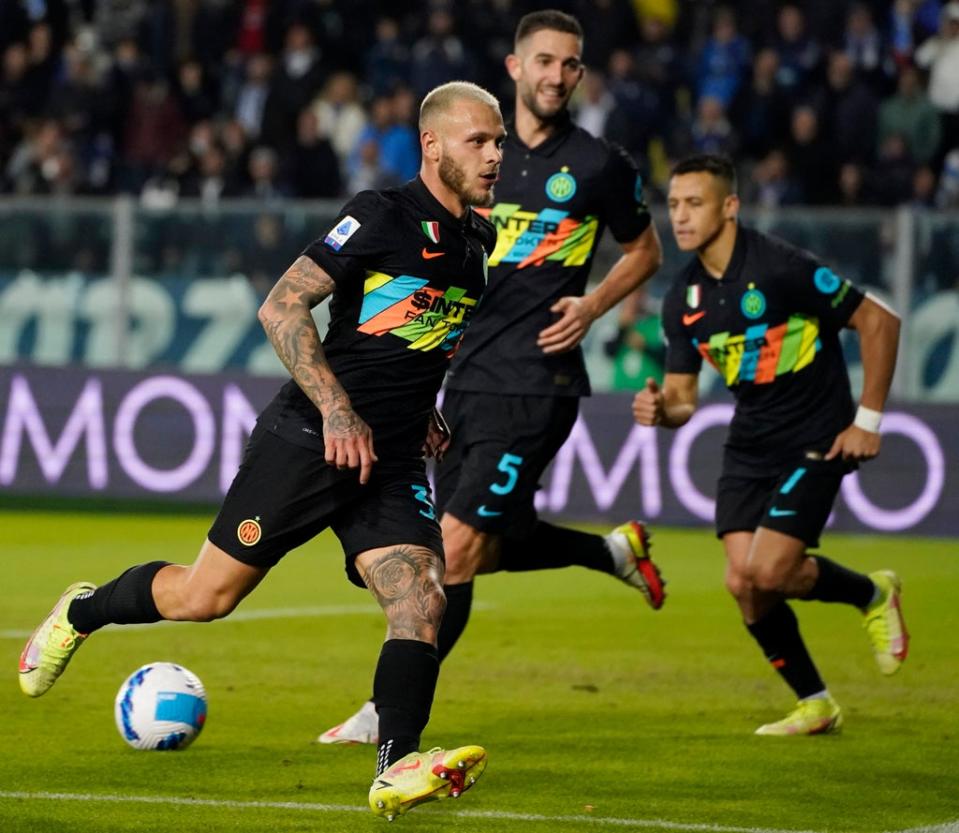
(867, 419)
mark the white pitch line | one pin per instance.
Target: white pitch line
(598, 821)
(318, 611)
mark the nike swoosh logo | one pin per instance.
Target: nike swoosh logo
(428, 255)
(780, 513)
(483, 512)
(692, 319)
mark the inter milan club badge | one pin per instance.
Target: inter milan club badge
(249, 532)
(753, 303)
(561, 186)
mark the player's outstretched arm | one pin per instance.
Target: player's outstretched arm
(670, 406)
(641, 258)
(878, 329)
(286, 317)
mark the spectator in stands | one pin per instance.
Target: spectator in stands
(368, 173)
(440, 55)
(637, 105)
(388, 60)
(153, 130)
(811, 157)
(940, 55)
(314, 169)
(397, 144)
(711, 131)
(43, 163)
(213, 180)
(298, 77)
(339, 113)
(724, 60)
(194, 93)
(799, 53)
(637, 350)
(910, 114)
(660, 67)
(947, 195)
(253, 94)
(863, 45)
(265, 180)
(761, 109)
(607, 25)
(849, 111)
(891, 179)
(771, 184)
(595, 104)
(923, 188)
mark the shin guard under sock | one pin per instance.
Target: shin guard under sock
(126, 600)
(778, 636)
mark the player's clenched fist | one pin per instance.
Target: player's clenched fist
(649, 405)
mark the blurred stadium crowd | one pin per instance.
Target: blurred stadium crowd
(826, 102)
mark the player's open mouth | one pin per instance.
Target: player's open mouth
(491, 178)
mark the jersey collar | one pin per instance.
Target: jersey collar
(735, 266)
(564, 125)
(433, 208)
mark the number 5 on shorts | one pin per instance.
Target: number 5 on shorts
(509, 464)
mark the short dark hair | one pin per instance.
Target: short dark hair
(551, 19)
(719, 166)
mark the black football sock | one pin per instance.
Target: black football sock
(459, 603)
(840, 584)
(549, 547)
(403, 689)
(778, 635)
(126, 600)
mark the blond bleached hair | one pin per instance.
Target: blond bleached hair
(441, 99)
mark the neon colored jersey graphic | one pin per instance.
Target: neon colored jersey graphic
(408, 308)
(762, 353)
(528, 238)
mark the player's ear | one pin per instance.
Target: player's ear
(430, 145)
(514, 66)
(731, 207)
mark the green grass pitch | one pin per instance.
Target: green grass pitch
(598, 714)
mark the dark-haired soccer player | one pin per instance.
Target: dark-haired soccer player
(767, 316)
(513, 391)
(405, 269)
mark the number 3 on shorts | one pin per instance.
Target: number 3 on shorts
(509, 464)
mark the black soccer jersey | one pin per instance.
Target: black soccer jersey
(553, 202)
(770, 326)
(409, 276)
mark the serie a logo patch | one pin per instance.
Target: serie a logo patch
(249, 532)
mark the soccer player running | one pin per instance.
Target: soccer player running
(513, 391)
(767, 316)
(401, 299)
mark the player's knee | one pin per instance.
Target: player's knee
(738, 584)
(768, 577)
(466, 551)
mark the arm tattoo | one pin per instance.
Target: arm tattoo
(406, 583)
(289, 325)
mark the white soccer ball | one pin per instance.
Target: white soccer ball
(160, 706)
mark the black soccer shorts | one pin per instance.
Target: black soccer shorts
(501, 445)
(283, 495)
(794, 499)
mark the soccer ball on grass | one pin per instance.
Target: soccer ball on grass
(160, 706)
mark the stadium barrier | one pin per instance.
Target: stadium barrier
(81, 433)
